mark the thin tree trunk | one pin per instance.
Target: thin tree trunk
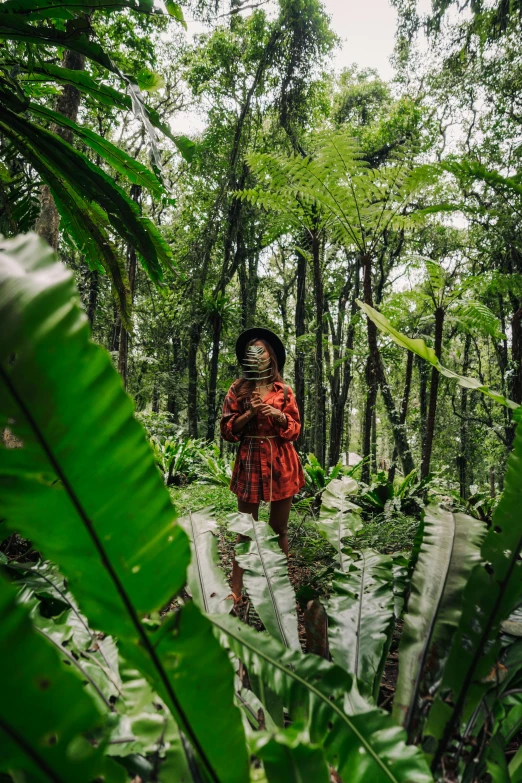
(155, 398)
(516, 356)
(300, 330)
(404, 411)
(501, 350)
(177, 369)
(375, 377)
(339, 397)
(462, 459)
(123, 356)
(371, 376)
(94, 285)
(320, 412)
(394, 418)
(192, 398)
(422, 367)
(67, 103)
(492, 489)
(115, 334)
(212, 391)
(434, 389)
(374, 440)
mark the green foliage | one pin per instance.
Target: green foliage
(418, 346)
(316, 476)
(336, 189)
(92, 206)
(390, 500)
(177, 458)
(213, 469)
(494, 586)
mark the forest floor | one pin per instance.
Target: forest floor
(310, 557)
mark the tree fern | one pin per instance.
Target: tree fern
(337, 187)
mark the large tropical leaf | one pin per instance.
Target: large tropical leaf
(104, 94)
(266, 578)
(84, 488)
(206, 580)
(418, 346)
(491, 594)
(132, 169)
(339, 518)
(362, 743)
(14, 27)
(449, 550)
(360, 618)
(84, 221)
(53, 156)
(46, 716)
(53, 10)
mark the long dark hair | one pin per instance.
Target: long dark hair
(244, 387)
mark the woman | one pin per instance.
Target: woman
(261, 412)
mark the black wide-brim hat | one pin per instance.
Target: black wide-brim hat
(260, 333)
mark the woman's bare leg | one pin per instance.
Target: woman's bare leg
(237, 572)
(279, 513)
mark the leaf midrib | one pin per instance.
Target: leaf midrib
(270, 590)
(198, 564)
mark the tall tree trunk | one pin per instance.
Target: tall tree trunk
(374, 441)
(320, 412)
(214, 363)
(123, 356)
(94, 285)
(300, 330)
(462, 459)
(404, 411)
(375, 377)
(398, 427)
(434, 390)
(114, 345)
(67, 103)
(501, 350)
(177, 369)
(192, 393)
(340, 391)
(155, 398)
(371, 376)
(422, 367)
(516, 355)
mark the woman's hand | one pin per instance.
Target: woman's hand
(256, 403)
(269, 410)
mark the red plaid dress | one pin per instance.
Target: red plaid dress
(265, 468)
